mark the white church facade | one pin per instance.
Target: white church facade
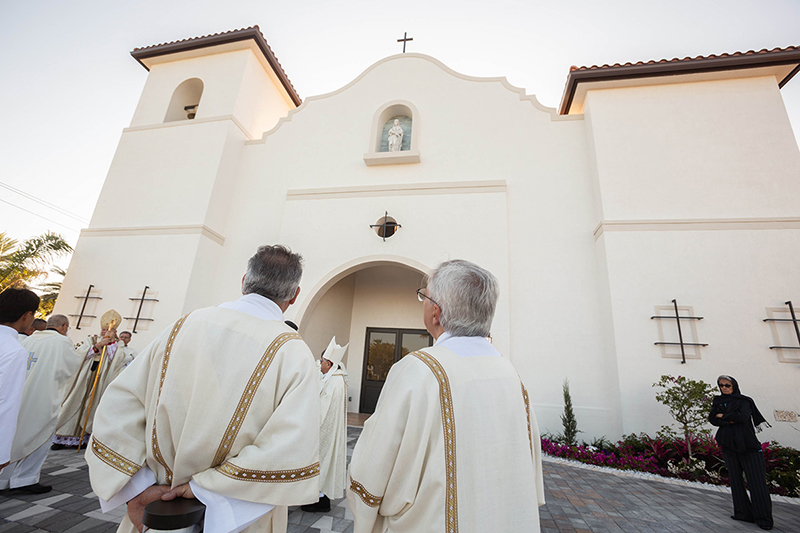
(653, 187)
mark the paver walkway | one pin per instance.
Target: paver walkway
(578, 500)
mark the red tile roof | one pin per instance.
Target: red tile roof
(193, 43)
(678, 59)
(677, 66)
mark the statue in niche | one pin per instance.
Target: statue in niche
(395, 137)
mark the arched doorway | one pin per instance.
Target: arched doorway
(373, 306)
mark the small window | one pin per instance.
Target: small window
(185, 101)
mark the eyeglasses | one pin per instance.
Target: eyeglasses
(421, 296)
(726, 385)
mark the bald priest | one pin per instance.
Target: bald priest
(222, 406)
(52, 360)
(453, 445)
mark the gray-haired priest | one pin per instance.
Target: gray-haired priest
(453, 445)
(223, 406)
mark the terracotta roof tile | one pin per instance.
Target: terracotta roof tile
(789, 56)
(698, 58)
(220, 38)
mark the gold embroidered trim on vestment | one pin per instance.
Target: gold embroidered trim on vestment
(366, 497)
(449, 426)
(268, 476)
(113, 459)
(167, 351)
(528, 412)
(247, 396)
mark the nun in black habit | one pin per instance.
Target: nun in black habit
(738, 420)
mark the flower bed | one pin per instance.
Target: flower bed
(669, 457)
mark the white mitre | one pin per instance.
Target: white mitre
(334, 352)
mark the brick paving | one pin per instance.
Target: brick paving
(578, 501)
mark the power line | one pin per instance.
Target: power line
(40, 216)
(44, 203)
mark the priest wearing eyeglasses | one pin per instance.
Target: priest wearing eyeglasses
(453, 445)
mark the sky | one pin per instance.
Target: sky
(69, 85)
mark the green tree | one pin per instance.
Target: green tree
(689, 403)
(22, 264)
(50, 292)
(568, 419)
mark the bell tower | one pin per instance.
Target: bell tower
(165, 200)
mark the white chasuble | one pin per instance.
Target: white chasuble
(333, 433)
(452, 446)
(78, 400)
(13, 359)
(52, 360)
(224, 399)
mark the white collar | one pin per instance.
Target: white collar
(467, 346)
(9, 332)
(257, 306)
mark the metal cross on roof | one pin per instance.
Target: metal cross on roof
(405, 39)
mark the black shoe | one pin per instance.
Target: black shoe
(36, 488)
(751, 520)
(57, 447)
(322, 506)
(765, 526)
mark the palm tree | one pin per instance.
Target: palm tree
(23, 263)
(50, 292)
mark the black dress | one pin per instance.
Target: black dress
(742, 453)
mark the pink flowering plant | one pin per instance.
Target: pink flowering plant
(693, 456)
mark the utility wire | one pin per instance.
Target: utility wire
(40, 216)
(44, 203)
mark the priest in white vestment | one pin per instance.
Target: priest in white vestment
(453, 445)
(333, 428)
(51, 361)
(17, 308)
(223, 406)
(73, 420)
(127, 352)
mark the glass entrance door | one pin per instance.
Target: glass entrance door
(383, 348)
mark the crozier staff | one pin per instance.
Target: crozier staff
(739, 420)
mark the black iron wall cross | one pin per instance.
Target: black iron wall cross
(85, 299)
(794, 321)
(141, 301)
(677, 318)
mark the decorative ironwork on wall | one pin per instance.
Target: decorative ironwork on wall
(793, 320)
(677, 318)
(386, 226)
(88, 296)
(141, 301)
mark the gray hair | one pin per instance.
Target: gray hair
(56, 321)
(467, 296)
(274, 272)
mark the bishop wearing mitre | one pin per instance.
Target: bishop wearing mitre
(453, 445)
(98, 369)
(52, 360)
(333, 428)
(222, 406)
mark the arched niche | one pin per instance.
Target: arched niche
(408, 118)
(185, 100)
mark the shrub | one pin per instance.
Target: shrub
(568, 419)
(669, 457)
(689, 402)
